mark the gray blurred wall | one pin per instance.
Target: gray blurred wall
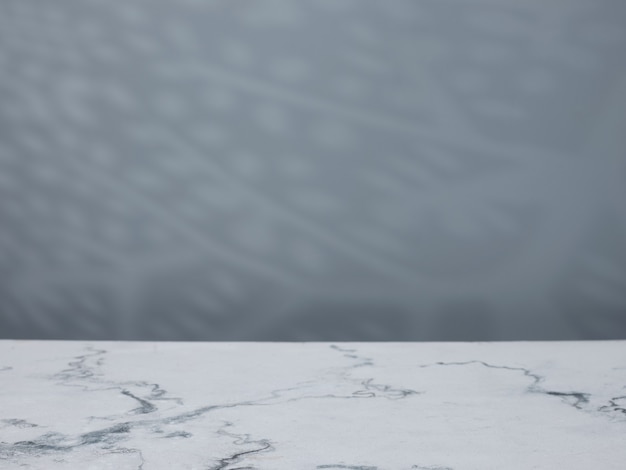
(313, 170)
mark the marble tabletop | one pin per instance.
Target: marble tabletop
(300, 406)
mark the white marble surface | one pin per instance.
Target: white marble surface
(358, 406)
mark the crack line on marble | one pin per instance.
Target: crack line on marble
(143, 461)
(580, 397)
(183, 434)
(240, 439)
(145, 406)
(81, 370)
(614, 406)
(369, 387)
(127, 450)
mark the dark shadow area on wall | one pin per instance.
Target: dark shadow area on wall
(313, 170)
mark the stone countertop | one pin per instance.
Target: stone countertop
(301, 406)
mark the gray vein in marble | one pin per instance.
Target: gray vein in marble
(260, 445)
(19, 423)
(81, 369)
(183, 434)
(579, 398)
(146, 406)
(614, 405)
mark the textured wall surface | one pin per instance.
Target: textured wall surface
(307, 170)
